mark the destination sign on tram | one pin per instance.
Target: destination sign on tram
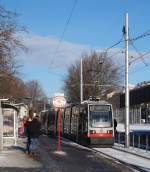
(100, 108)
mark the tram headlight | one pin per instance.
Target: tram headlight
(109, 131)
(92, 131)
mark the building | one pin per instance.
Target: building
(139, 98)
(23, 110)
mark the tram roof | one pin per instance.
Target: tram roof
(95, 102)
(100, 102)
(47, 110)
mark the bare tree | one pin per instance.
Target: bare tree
(10, 85)
(100, 76)
(36, 93)
(9, 41)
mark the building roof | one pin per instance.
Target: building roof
(7, 105)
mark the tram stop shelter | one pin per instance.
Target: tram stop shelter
(10, 124)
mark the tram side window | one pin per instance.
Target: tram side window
(85, 123)
(51, 118)
(44, 118)
(80, 121)
(83, 126)
(67, 119)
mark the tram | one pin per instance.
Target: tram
(49, 121)
(90, 123)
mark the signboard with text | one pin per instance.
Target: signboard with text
(59, 101)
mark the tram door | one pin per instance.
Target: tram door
(83, 121)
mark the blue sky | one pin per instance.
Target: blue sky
(95, 24)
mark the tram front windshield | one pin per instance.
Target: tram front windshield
(100, 114)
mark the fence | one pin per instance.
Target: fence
(138, 139)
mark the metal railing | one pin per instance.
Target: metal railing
(138, 139)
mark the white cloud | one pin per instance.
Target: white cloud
(42, 54)
(42, 51)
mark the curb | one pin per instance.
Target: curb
(133, 153)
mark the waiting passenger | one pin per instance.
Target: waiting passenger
(27, 134)
(115, 125)
(34, 129)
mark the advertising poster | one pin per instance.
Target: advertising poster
(8, 119)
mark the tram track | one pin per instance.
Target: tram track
(132, 166)
(120, 160)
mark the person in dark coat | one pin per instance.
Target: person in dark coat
(34, 129)
(27, 134)
(115, 125)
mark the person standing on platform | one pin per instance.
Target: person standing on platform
(115, 125)
(27, 134)
(34, 129)
(26, 130)
(115, 129)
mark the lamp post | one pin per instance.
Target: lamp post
(126, 84)
(81, 82)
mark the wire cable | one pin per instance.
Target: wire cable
(121, 51)
(117, 43)
(147, 33)
(64, 30)
(140, 57)
(131, 42)
(139, 69)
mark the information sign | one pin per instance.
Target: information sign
(59, 101)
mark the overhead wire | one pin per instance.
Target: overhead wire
(131, 42)
(115, 44)
(139, 69)
(141, 56)
(146, 33)
(64, 30)
(117, 52)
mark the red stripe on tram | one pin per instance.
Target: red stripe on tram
(93, 135)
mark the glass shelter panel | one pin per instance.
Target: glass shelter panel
(8, 121)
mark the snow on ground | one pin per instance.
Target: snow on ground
(133, 127)
(127, 158)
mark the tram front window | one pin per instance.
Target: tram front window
(99, 116)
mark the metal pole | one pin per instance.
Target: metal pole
(146, 143)
(1, 127)
(119, 138)
(133, 140)
(140, 114)
(139, 141)
(126, 84)
(81, 82)
(58, 128)
(15, 128)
